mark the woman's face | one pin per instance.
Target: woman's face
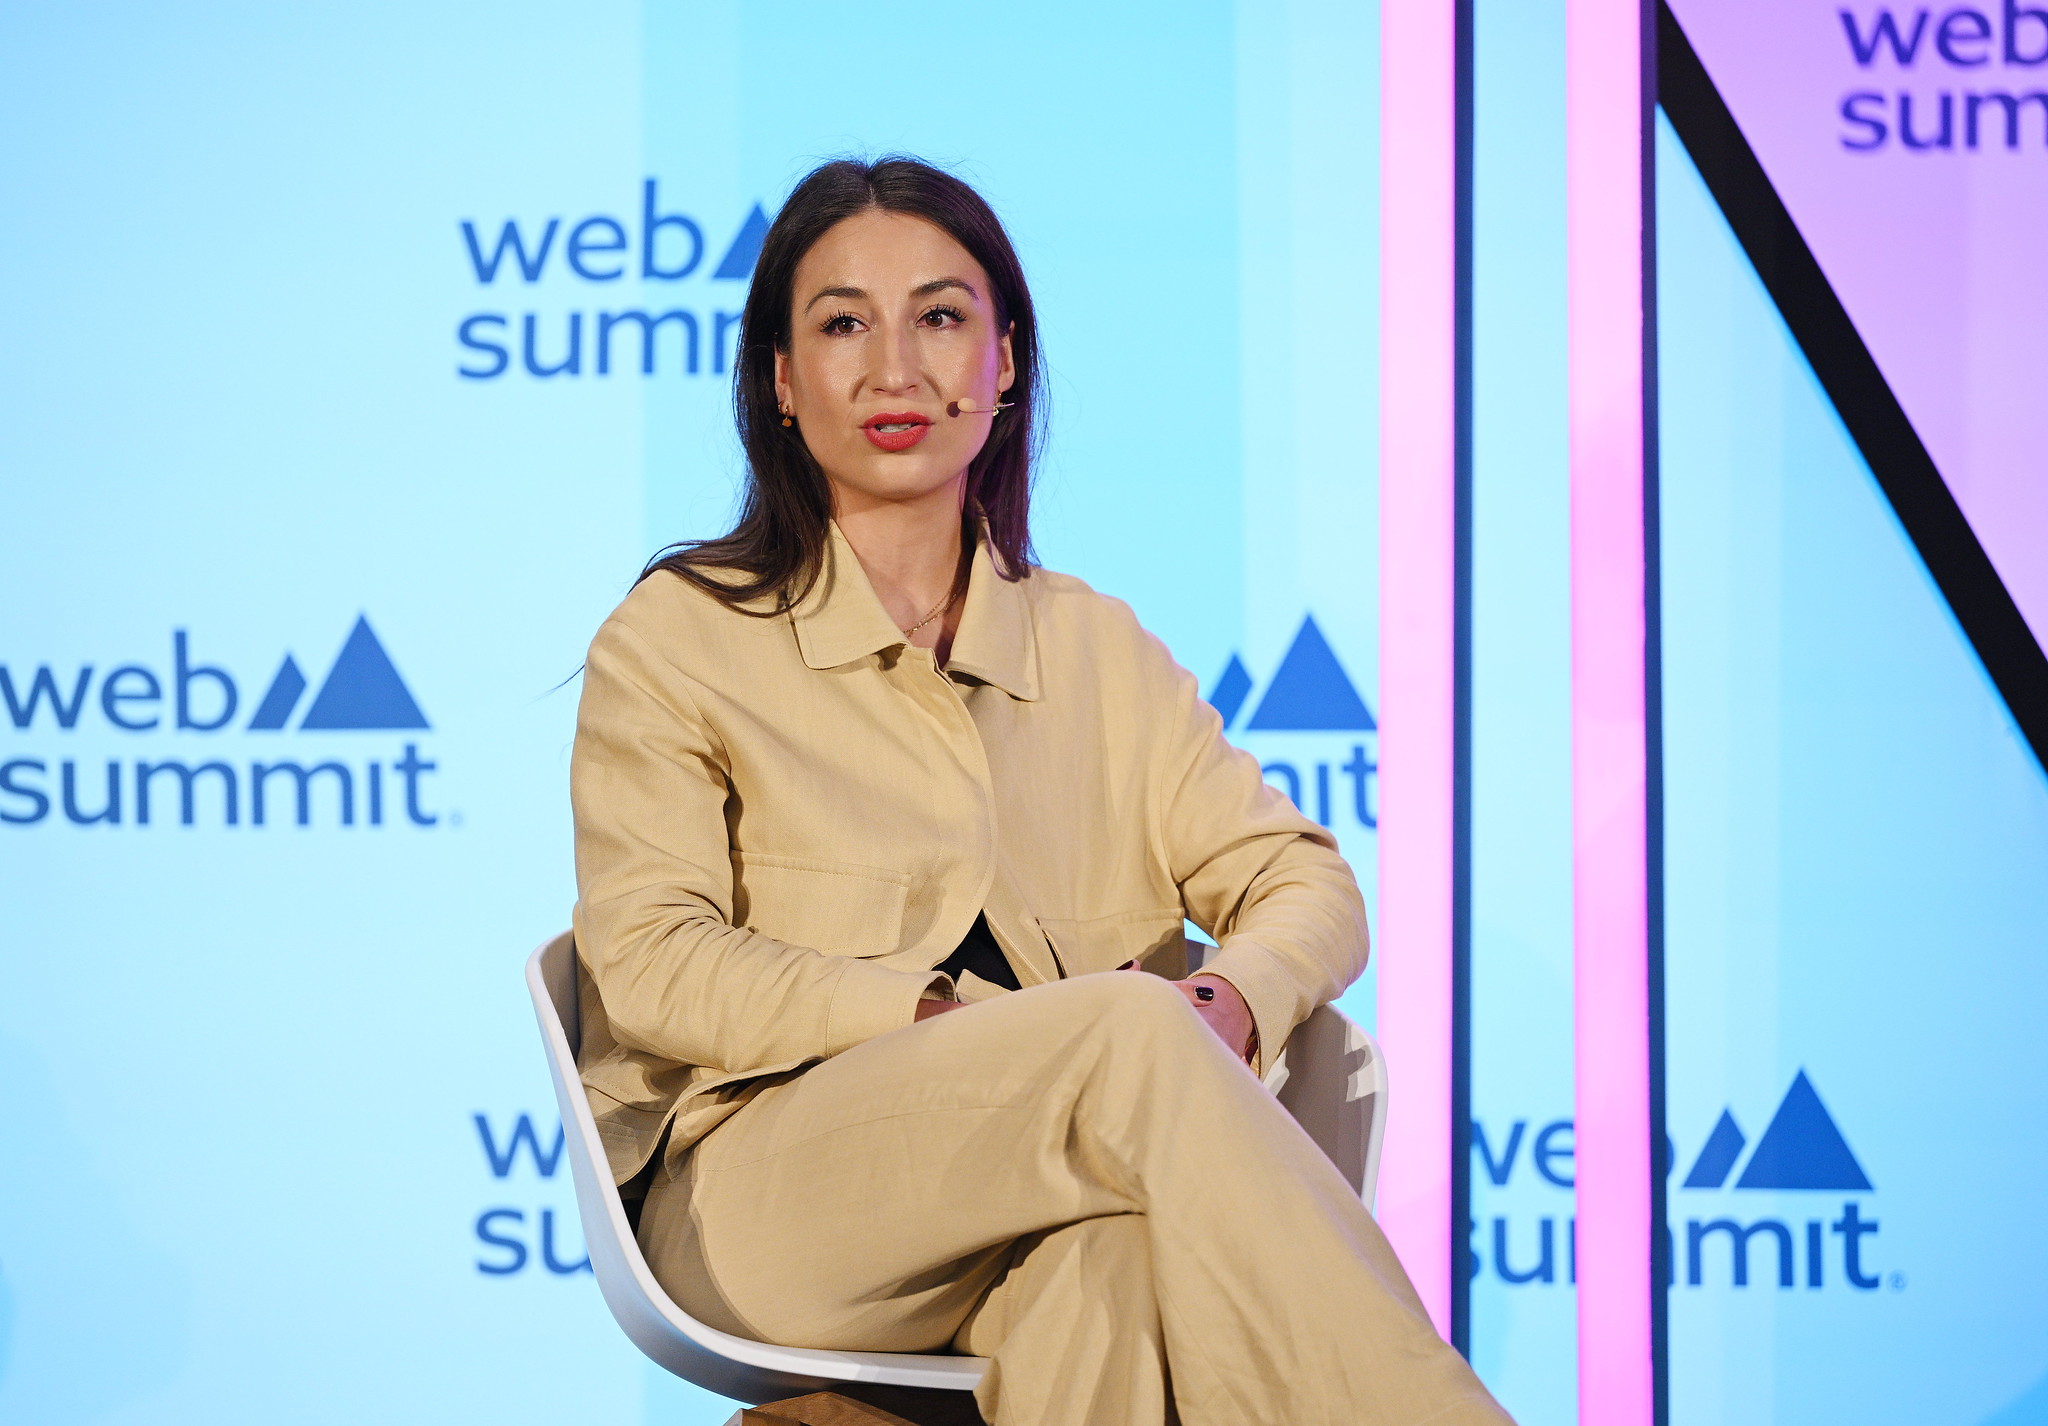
(892, 320)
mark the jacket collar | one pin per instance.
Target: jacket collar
(841, 620)
(997, 641)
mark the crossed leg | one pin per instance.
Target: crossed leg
(1078, 1181)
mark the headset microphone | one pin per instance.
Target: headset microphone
(967, 406)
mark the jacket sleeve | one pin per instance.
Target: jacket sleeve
(650, 787)
(1254, 873)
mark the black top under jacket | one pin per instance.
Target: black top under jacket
(979, 953)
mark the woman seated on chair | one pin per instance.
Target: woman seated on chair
(870, 812)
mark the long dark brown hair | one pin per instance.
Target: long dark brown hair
(777, 546)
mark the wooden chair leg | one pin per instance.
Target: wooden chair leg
(865, 1404)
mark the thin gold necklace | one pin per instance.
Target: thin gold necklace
(941, 607)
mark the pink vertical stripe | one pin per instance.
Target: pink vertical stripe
(1418, 275)
(1605, 205)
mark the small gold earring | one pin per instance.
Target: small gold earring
(786, 418)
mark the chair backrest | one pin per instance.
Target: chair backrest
(732, 1366)
(1331, 1077)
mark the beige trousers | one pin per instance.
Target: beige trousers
(1078, 1181)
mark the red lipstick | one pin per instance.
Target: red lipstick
(896, 430)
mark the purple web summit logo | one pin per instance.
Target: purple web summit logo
(362, 692)
(1984, 60)
(1308, 693)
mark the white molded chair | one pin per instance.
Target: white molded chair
(1330, 1076)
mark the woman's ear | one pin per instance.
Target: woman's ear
(1006, 360)
(783, 399)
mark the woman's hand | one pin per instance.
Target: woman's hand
(1224, 1010)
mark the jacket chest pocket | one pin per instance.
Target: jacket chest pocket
(1106, 942)
(835, 907)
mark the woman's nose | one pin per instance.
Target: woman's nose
(896, 366)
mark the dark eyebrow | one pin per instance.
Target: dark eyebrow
(855, 294)
(851, 294)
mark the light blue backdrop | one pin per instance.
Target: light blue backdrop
(1856, 838)
(242, 1066)
(1523, 1302)
(1857, 904)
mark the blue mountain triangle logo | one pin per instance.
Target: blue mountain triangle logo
(363, 692)
(1723, 1148)
(1231, 687)
(739, 259)
(282, 697)
(1801, 1149)
(1310, 691)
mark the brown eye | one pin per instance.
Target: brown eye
(841, 325)
(942, 317)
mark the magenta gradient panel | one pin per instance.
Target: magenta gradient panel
(1605, 198)
(1897, 138)
(1418, 594)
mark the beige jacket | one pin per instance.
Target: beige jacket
(783, 824)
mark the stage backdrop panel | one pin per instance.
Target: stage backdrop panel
(1854, 840)
(1907, 142)
(358, 356)
(1521, 1164)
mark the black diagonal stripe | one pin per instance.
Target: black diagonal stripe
(1850, 376)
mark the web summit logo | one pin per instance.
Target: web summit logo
(362, 693)
(1801, 1151)
(645, 326)
(1986, 61)
(1309, 693)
